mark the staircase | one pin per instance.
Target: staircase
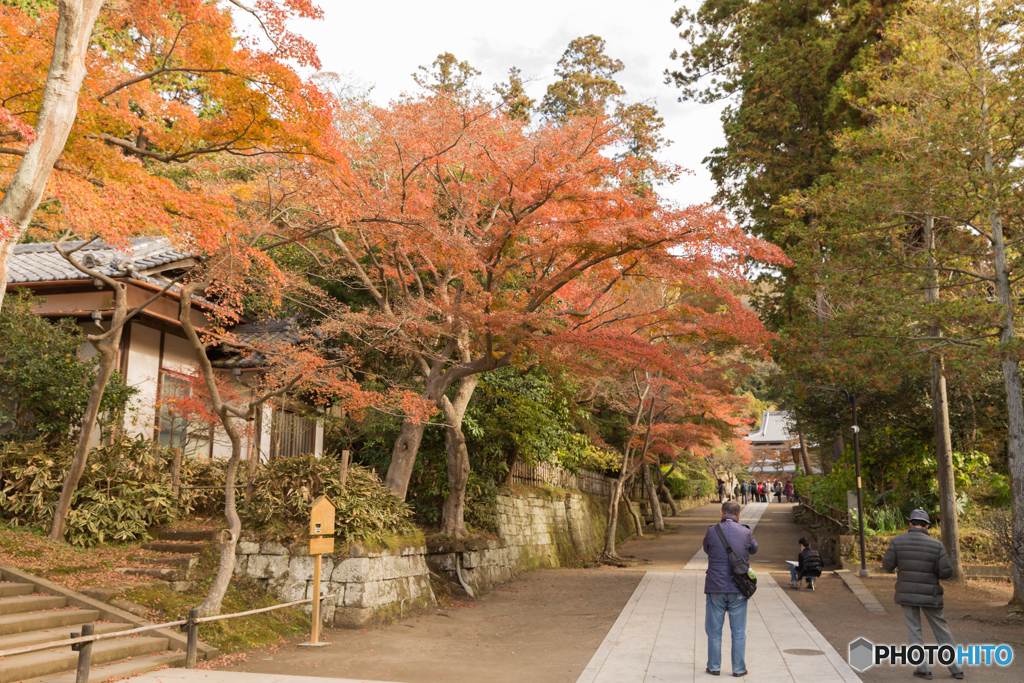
(180, 556)
(33, 610)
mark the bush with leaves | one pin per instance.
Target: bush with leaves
(285, 488)
(44, 386)
(125, 489)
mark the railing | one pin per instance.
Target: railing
(552, 475)
(83, 643)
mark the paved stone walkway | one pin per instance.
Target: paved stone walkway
(660, 634)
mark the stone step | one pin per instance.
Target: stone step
(8, 589)
(120, 670)
(176, 547)
(162, 573)
(37, 621)
(187, 561)
(10, 642)
(58, 660)
(195, 535)
(30, 603)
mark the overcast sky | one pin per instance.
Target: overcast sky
(382, 43)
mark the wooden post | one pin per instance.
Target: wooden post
(176, 471)
(321, 540)
(346, 456)
(315, 638)
(192, 645)
(84, 654)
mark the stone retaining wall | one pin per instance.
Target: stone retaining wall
(537, 529)
(360, 588)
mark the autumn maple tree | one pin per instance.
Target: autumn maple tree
(132, 116)
(482, 242)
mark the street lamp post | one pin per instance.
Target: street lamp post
(856, 464)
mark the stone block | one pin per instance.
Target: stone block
(291, 590)
(267, 566)
(471, 559)
(352, 617)
(247, 548)
(241, 564)
(352, 570)
(273, 549)
(300, 568)
(442, 563)
(354, 594)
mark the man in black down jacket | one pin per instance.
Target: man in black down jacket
(921, 561)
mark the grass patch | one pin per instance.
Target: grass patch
(229, 635)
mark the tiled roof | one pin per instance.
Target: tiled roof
(41, 262)
(268, 332)
(775, 427)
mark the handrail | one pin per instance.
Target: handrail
(841, 525)
(152, 627)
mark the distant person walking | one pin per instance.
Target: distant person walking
(722, 593)
(721, 491)
(778, 491)
(743, 492)
(760, 492)
(920, 561)
(789, 490)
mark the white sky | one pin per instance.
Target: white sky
(382, 43)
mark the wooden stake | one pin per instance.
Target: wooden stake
(316, 600)
(346, 456)
(176, 471)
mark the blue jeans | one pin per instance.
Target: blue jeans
(714, 619)
(792, 574)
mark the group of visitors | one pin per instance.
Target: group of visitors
(919, 559)
(762, 491)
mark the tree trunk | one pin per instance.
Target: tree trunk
(108, 357)
(663, 488)
(403, 457)
(669, 500)
(638, 522)
(1009, 364)
(803, 454)
(940, 423)
(610, 530)
(57, 114)
(652, 496)
(453, 520)
(228, 537)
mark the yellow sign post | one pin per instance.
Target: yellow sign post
(321, 540)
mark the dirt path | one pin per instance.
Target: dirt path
(543, 627)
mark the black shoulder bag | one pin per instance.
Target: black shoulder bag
(740, 569)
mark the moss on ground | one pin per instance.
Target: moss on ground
(229, 635)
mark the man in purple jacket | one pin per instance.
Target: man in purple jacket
(722, 593)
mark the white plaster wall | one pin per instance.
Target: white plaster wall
(178, 354)
(143, 370)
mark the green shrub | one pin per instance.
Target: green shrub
(366, 511)
(690, 483)
(124, 490)
(44, 387)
